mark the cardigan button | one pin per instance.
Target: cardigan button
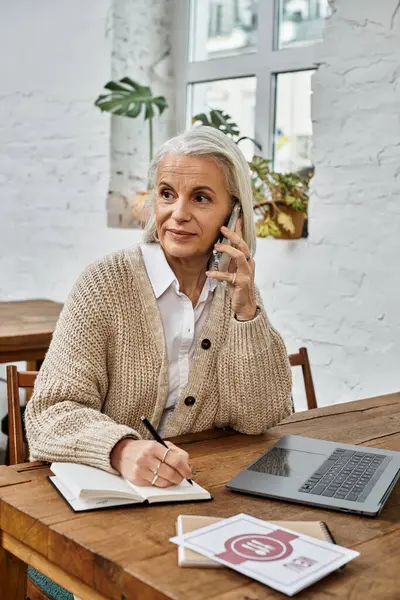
(206, 344)
(189, 401)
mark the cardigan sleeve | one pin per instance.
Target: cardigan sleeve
(254, 376)
(63, 419)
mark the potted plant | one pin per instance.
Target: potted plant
(280, 199)
(128, 98)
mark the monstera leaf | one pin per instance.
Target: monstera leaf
(127, 98)
(218, 120)
(224, 122)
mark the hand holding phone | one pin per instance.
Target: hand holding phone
(241, 279)
(221, 259)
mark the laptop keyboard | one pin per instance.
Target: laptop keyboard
(344, 475)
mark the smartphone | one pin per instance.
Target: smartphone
(221, 259)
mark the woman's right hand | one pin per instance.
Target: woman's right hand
(139, 460)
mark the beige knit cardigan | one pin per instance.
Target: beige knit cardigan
(107, 366)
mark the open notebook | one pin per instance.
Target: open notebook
(88, 488)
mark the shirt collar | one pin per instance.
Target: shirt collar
(160, 273)
(162, 276)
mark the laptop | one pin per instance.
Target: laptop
(352, 479)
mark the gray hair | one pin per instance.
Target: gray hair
(210, 143)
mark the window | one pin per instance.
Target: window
(232, 96)
(301, 21)
(222, 28)
(293, 127)
(254, 60)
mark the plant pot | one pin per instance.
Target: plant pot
(298, 219)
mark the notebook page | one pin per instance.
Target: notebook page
(88, 482)
(81, 504)
(173, 493)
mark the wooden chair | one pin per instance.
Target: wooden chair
(301, 360)
(17, 454)
(15, 381)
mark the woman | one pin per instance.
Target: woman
(155, 331)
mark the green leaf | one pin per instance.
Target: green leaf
(216, 121)
(128, 98)
(161, 103)
(260, 167)
(219, 120)
(202, 118)
(148, 113)
(266, 227)
(144, 89)
(224, 123)
(133, 112)
(113, 86)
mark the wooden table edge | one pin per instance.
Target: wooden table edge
(39, 562)
(27, 342)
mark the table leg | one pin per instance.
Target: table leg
(33, 365)
(13, 574)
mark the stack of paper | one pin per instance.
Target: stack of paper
(273, 555)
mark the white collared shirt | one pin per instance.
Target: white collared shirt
(181, 321)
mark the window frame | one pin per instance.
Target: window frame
(266, 63)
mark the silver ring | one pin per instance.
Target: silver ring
(154, 479)
(165, 454)
(248, 258)
(233, 278)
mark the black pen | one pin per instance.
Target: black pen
(157, 437)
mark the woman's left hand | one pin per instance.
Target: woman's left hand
(240, 274)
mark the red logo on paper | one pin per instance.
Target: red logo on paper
(258, 547)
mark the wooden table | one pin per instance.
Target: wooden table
(26, 328)
(125, 553)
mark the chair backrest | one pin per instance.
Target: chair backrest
(301, 360)
(15, 381)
